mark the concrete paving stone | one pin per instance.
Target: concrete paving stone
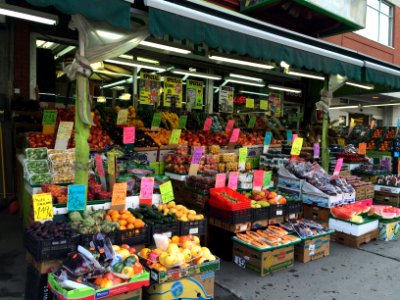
(388, 249)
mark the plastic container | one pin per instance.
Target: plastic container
(294, 207)
(85, 239)
(39, 179)
(134, 237)
(230, 216)
(198, 227)
(50, 249)
(168, 229)
(262, 213)
(36, 153)
(38, 166)
(278, 210)
(218, 198)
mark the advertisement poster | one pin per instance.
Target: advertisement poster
(194, 94)
(226, 99)
(149, 89)
(275, 100)
(172, 92)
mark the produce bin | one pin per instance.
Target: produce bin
(278, 210)
(169, 229)
(193, 227)
(262, 213)
(136, 236)
(230, 216)
(50, 249)
(87, 238)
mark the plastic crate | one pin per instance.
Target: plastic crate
(134, 237)
(262, 213)
(169, 229)
(87, 238)
(278, 210)
(50, 249)
(294, 207)
(230, 216)
(193, 227)
(217, 200)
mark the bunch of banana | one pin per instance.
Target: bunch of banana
(170, 120)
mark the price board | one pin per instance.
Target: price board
(42, 207)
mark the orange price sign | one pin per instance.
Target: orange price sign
(362, 148)
(119, 194)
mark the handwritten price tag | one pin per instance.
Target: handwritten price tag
(264, 104)
(258, 179)
(317, 150)
(122, 117)
(155, 123)
(249, 103)
(267, 141)
(294, 136)
(289, 136)
(197, 155)
(182, 121)
(296, 147)
(111, 163)
(63, 135)
(233, 180)
(207, 124)
(167, 192)
(146, 188)
(338, 167)
(267, 178)
(235, 135)
(252, 122)
(242, 155)
(42, 207)
(49, 117)
(175, 136)
(362, 148)
(76, 197)
(229, 125)
(129, 135)
(220, 180)
(119, 194)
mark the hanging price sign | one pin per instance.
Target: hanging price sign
(289, 136)
(182, 122)
(175, 136)
(249, 103)
(207, 124)
(317, 150)
(42, 207)
(76, 197)
(267, 141)
(242, 158)
(264, 104)
(155, 123)
(252, 122)
(296, 147)
(229, 125)
(338, 167)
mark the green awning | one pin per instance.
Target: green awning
(163, 23)
(384, 78)
(115, 12)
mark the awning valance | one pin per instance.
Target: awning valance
(115, 12)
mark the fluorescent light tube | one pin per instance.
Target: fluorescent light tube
(241, 62)
(109, 35)
(28, 14)
(135, 64)
(284, 88)
(196, 74)
(64, 51)
(306, 75)
(259, 84)
(245, 77)
(148, 60)
(360, 85)
(383, 104)
(101, 99)
(126, 56)
(343, 107)
(254, 93)
(125, 97)
(124, 81)
(164, 47)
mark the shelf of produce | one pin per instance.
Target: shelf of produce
(388, 189)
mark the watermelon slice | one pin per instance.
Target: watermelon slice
(384, 211)
(358, 208)
(342, 212)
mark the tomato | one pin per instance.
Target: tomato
(137, 268)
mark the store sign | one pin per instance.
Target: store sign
(42, 207)
(241, 100)
(149, 89)
(129, 135)
(194, 94)
(225, 99)
(173, 92)
(76, 197)
(167, 192)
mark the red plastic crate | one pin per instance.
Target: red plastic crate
(219, 201)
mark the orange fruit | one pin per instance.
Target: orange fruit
(124, 217)
(114, 219)
(138, 223)
(111, 211)
(130, 226)
(131, 219)
(122, 227)
(108, 218)
(122, 222)
(123, 211)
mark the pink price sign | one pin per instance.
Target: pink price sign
(146, 188)
(233, 180)
(338, 167)
(317, 150)
(258, 180)
(207, 124)
(197, 154)
(294, 136)
(99, 165)
(235, 135)
(220, 180)
(129, 135)
(229, 125)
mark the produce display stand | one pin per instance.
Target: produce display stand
(356, 241)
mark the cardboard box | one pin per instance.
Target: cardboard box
(312, 249)
(389, 231)
(151, 154)
(133, 295)
(316, 213)
(43, 267)
(195, 287)
(229, 227)
(262, 262)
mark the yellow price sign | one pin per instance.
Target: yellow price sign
(264, 104)
(167, 192)
(296, 146)
(249, 103)
(42, 207)
(242, 155)
(175, 136)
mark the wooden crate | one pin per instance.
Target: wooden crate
(356, 241)
(387, 198)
